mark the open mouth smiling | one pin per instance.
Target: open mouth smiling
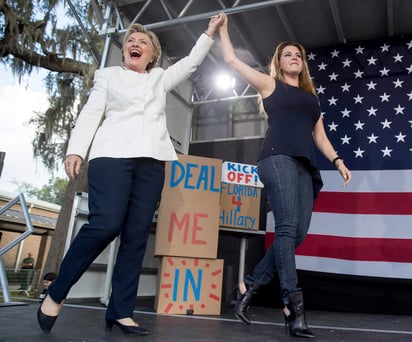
(135, 53)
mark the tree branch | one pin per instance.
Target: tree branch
(10, 45)
(50, 62)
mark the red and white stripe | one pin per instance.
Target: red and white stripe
(362, 229)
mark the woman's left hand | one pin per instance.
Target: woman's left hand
(344, 171)
(215, 22)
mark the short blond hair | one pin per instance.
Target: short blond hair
(157, 49)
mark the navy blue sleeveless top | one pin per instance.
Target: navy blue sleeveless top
(292, 115)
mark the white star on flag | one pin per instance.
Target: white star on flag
(386, 152)
(372, 138)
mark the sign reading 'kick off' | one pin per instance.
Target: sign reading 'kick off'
(240, 196)
(237, 173)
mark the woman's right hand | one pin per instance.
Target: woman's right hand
(224, 23)
(72, 165)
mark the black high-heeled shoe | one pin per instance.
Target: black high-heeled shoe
(127, 329)
(295, 322)
(243, 303)
(46, 322)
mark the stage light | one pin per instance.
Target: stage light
(225, 82)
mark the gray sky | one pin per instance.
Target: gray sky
(17, 105)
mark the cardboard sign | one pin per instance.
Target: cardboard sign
(188, 220)
(193, 179)
(189, 286)
(237, 173)
(240, 206)
(187, 229)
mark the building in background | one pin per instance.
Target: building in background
(43, 216)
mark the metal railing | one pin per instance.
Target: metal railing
(4, 250)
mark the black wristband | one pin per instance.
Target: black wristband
(334, 160)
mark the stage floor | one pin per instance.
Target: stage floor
(84, 322)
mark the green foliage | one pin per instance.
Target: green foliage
(52, 192)
(46, 34)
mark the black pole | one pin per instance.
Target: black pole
(2, 155)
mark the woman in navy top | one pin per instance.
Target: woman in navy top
(287, 168)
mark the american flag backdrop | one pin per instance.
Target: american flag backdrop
(365, 90)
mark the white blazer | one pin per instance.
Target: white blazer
(132, 106)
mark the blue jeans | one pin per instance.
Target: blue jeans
(123, 196)
(289, 187)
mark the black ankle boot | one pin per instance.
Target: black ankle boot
(243, 302)
(296, 321)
